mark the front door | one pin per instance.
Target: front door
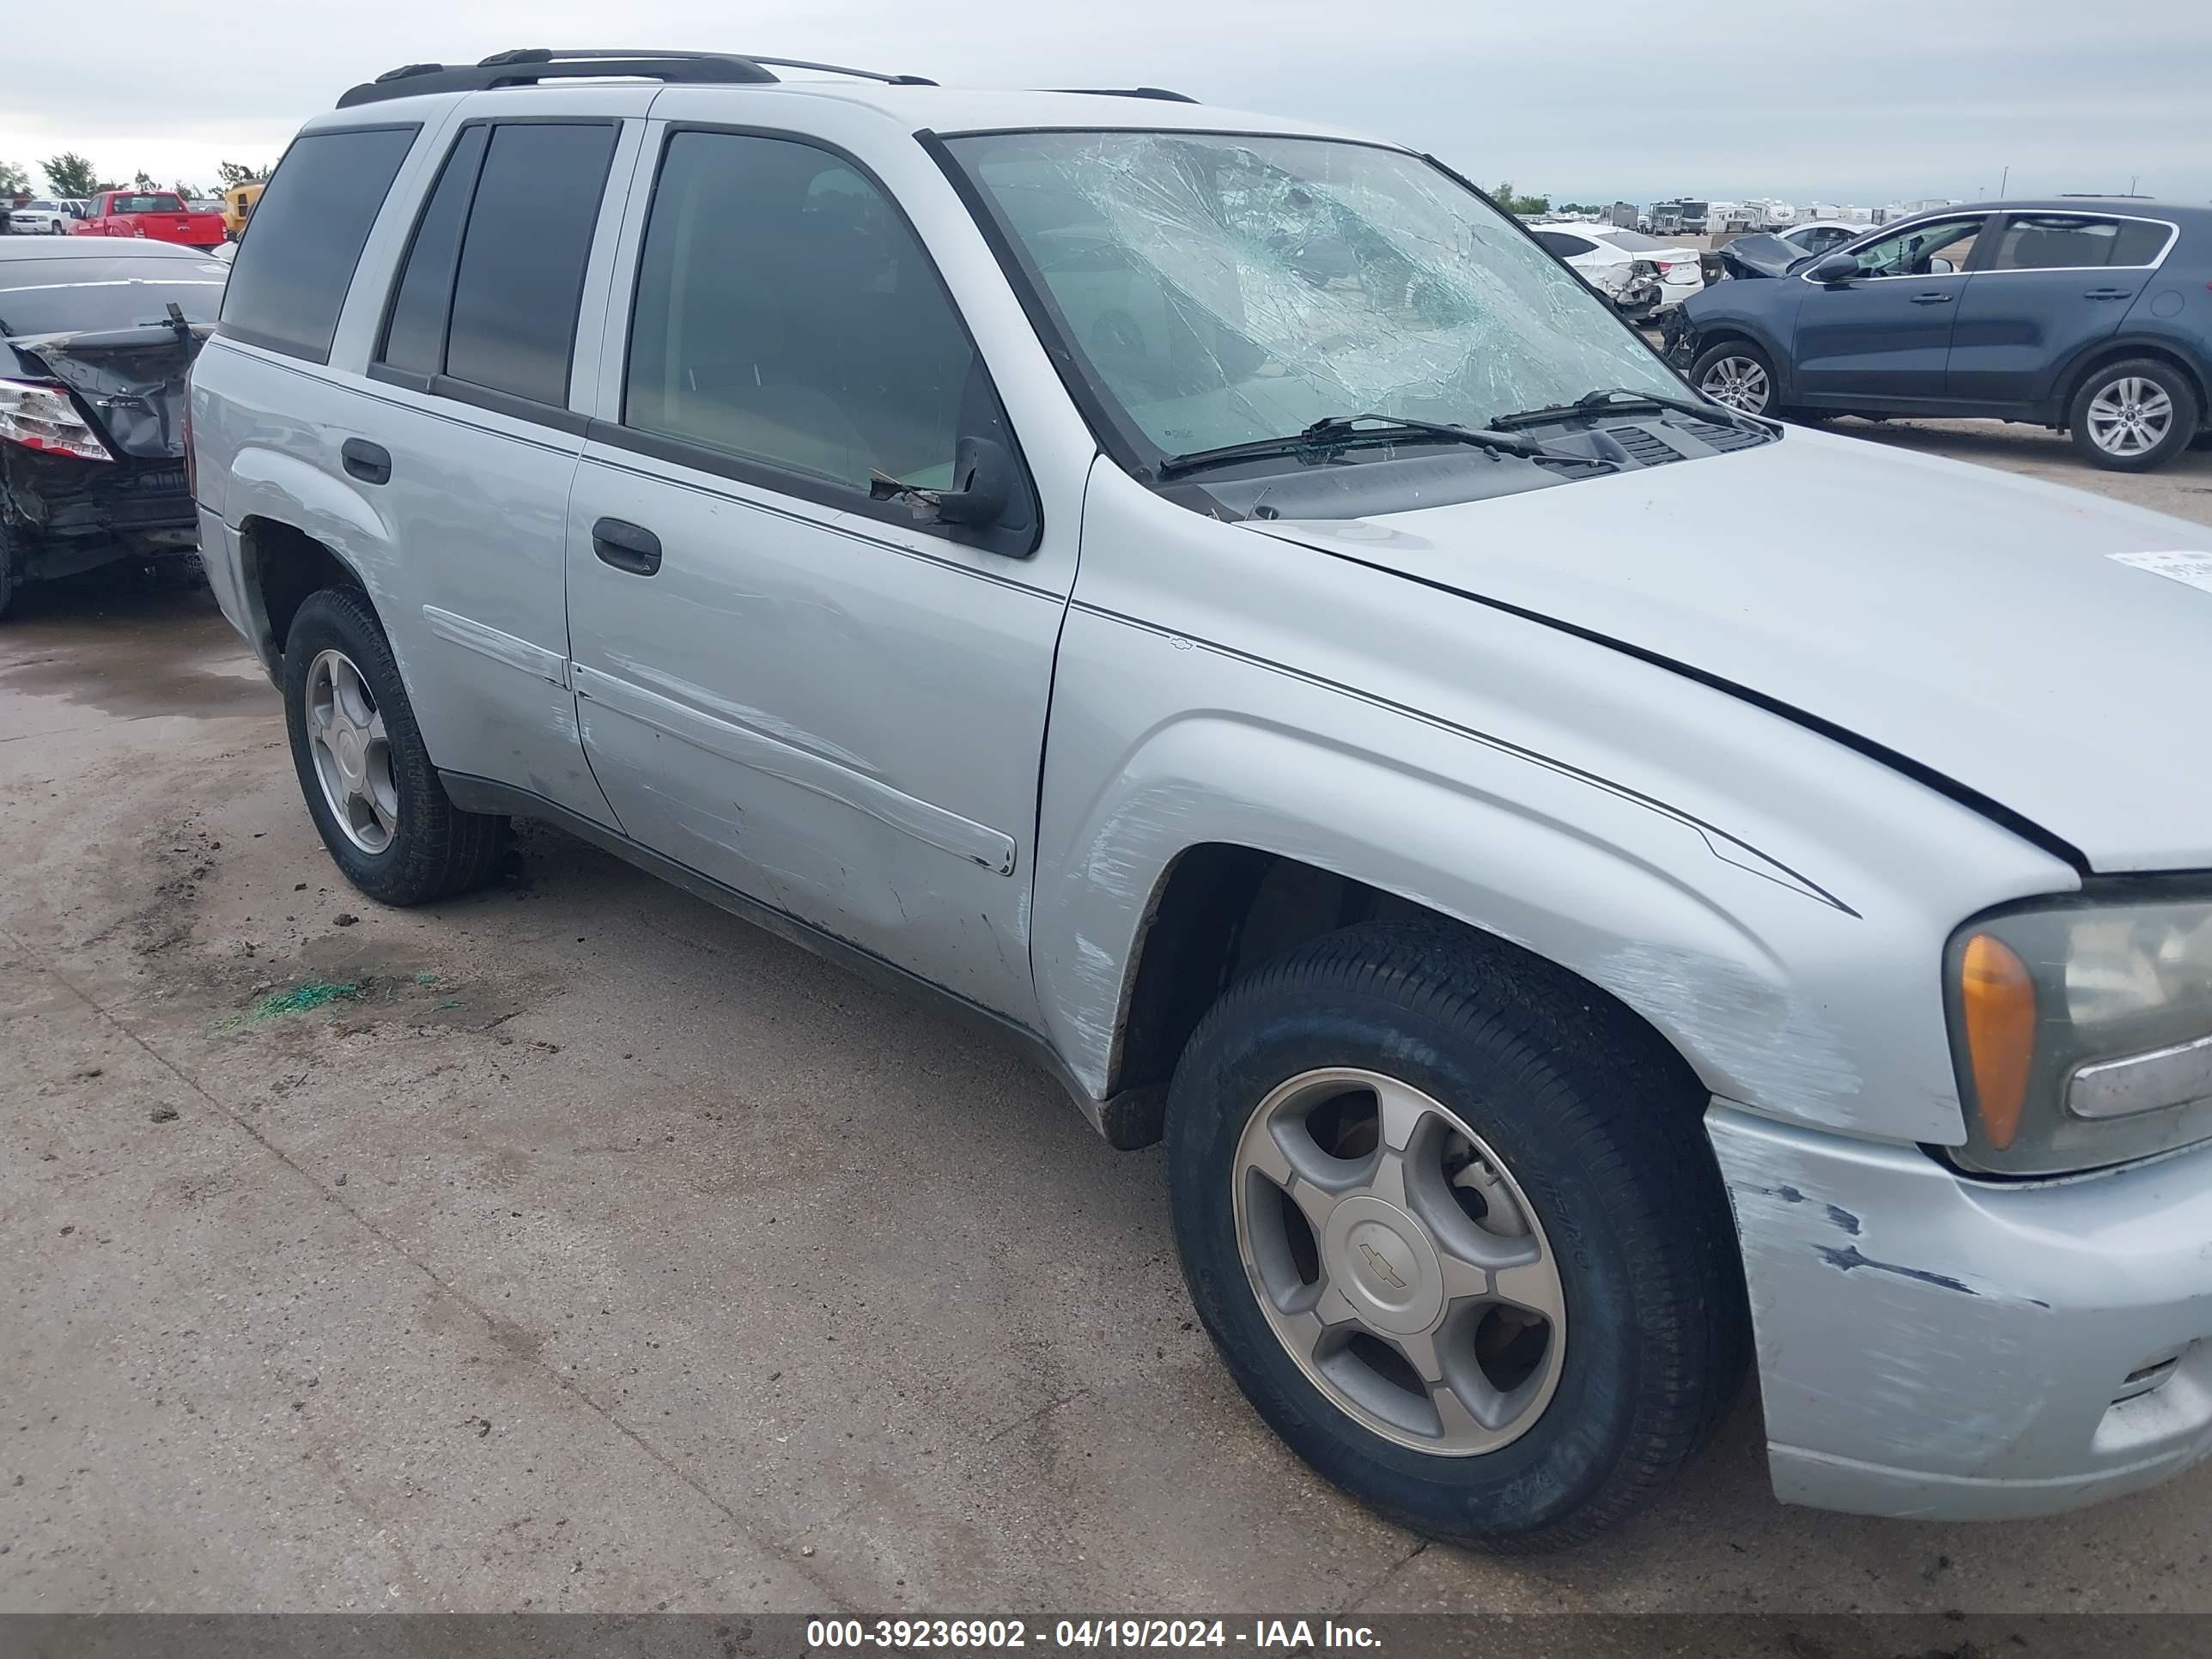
(817, 698)
(2052, 284)
(1883, 340)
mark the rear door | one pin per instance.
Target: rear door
(2050, 285)
(467, 448)
(1882, 341)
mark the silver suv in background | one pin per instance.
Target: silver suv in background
(1214, 600)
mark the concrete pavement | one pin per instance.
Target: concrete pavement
(597, 1251)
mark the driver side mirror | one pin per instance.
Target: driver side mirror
(1940, 267)
(1835, 270)
(983, 480)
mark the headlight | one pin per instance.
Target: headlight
(2082, 1028)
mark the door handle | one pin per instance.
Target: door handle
(370, 463)
(626, 546)
(1936, 298)
(2109, 293)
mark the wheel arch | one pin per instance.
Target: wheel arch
(1218, 849)
(280, 565)
(1222, 909)
(2105, 353)
(298, 530)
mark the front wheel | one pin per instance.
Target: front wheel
(368, 781)
(1738, 374)
(2131, 417)
(1456, 1235)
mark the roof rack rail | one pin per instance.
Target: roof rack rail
(1160, 93)
(531, 65)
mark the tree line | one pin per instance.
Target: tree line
(74, 175)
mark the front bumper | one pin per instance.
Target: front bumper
(1959, 1350)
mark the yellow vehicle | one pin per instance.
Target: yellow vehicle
(238, 207)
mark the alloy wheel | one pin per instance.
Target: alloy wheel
(2131, 417)
(1739, 382)
(351, 751)
(1399, 1262)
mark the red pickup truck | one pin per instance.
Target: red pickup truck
(160, 215)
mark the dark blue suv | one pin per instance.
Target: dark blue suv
(2089, 316)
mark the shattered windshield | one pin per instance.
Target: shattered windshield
(1219, 290)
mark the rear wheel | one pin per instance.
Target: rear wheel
(10, 566)
(1738, 374)
(1456, 1234)
(368, 781)
(2133, 415)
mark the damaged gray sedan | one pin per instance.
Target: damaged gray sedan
(96, 340)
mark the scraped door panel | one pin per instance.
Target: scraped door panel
(839, 721)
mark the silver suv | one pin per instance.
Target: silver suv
(1216, 601)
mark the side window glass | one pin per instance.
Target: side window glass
(1915, 253)
(415, 335)
(2139, 242)
(786, 314)
(2051, 241)
(289, 283)
(521, 273)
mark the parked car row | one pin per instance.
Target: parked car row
(159, 214)
(2091, 316)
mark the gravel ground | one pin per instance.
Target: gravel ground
(597, 1251)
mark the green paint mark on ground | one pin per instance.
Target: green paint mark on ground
(303, 999)
(426, 979)
(299, 1000)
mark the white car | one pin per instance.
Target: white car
(1673, 266)
(1630, 281)
(1680, 275)
(42, 218)
(1819, 236)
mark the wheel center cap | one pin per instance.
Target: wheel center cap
(1381, 1260)
(347, 742)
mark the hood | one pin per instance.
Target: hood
(2049, 650)
(132, 379)
(1759, 256)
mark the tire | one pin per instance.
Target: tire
(419, 845)
(1741, 376)
(2135, 415)
(1569, 1100)
(11, 570)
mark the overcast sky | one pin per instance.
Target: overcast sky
(1865, 102)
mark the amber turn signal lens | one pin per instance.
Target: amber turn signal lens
(1999, 1000)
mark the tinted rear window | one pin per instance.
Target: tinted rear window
(415, 336)
(159, 202)
(521, 274)
(289, 281)
(56, 296)
(2062, 241)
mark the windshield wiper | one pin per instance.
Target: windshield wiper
(1622, 399)
(1335, 431)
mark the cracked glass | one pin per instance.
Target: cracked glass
(1218, 290)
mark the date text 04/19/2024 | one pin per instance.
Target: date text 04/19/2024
(1262, 1634)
